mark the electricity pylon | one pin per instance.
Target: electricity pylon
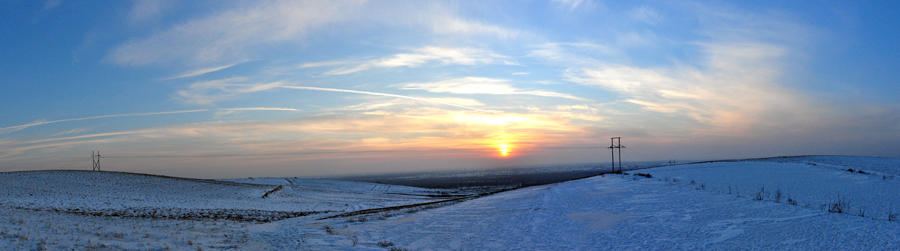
(612, 148)
(96, 160)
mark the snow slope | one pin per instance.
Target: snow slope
(887, 166)
(60, 209)
(130, 194)
(683, 207)
(615, 212)
(810, 184)
(351, 195)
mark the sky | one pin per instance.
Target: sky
(222, 89)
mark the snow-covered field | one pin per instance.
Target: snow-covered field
(113, 210)
(778, 203)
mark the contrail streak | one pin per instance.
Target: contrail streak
(20, 127)
(200, 72)
(413, 98)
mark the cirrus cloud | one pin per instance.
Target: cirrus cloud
(739, 89)
(418, 57)
(242, 31)
(481, 85)
(231, 34)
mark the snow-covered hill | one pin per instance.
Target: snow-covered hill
(61, 200)
(863, 186)
(775, 203)
(684, 207)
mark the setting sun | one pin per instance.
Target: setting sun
(504, 150)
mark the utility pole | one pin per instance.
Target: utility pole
(612, 148)
(96, 160)
(612, 153)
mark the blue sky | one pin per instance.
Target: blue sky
(309, 88)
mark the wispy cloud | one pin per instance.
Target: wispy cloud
(481, 85)
(636, 39)
(575, 107)
(259, 109)
(443, 19)
(209, 92)
(247, 28)
(420, 56)
(574, 4)
(20, 127)
(94, 135)
(646, 14)
(10, 129)
(232, 34)
(147, 9)
(738, 88)
(445, 24)
(200, 72)
(381, 107)
(459, 101)
(414, 98)
(73, 131)
(50, 4)
(233, 110)
(570, 53)
(321, 64)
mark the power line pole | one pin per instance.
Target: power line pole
(96, 160)
(612, 149)
(612, 153)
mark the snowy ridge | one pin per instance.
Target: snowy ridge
(873, 164)
(878, 165)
